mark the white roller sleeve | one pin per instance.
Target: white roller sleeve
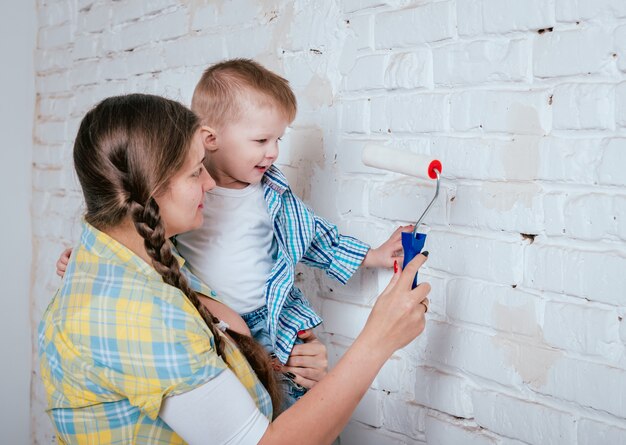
(400, 161)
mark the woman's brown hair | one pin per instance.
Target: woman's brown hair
(126, 152)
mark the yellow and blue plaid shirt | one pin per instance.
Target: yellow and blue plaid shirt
(116, 340)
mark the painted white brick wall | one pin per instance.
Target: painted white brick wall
(525, 104)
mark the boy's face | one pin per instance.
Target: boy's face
(240, 152)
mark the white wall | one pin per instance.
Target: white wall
(17, 89)
(523, 101)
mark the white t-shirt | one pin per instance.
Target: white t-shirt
(233, 250)
(219, 412)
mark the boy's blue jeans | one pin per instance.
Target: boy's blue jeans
(257, 322)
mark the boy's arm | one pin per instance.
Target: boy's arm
(339, 255)
(387, 252)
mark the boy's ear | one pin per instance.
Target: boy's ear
(209, 138)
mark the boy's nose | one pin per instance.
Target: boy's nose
(272, 151)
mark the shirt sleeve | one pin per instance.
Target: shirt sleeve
(221, 410)
(159, 348)
(339, 255)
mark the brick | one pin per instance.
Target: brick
(442, 431)
(583, 107)
(410, 70)
(585, 329)
(572, 52)
(153, 29)
(515, 158)
(404, 417)
(587, 384)
(496, 260)
(577, 10)
(86, 46)
(362, 28)
(96, 19)
(297, 69)
(357, 434)
(570, 160)
(469, 15)
(52, 132)
(53, 106)
(193, 51)
(511, 207)
(349, 153)
(368, 73)
(430, 22)
(503, 308)
(396, 376)
(620, 105)
(300, 28)
(344, 319)
(358, 5)
(355, 116)
(526, 420)
(348, 202)
(132, 11)
(223, 14)
(620, 47)
(481, 61)
(52, 82)
(415, 113)
(404, 200)
(370, 410)
(592, 216)
(471, 351)
(522, 112)
(611, 171)
(443, 392)
(54, 36)
(52, 59)
(501, 16)
(88, 72)
(52, 14)
(599, 273)
(591, 431)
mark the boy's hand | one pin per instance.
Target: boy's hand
(308, 361)
(62, 261)
(388, 252)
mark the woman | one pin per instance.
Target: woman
(129, 354)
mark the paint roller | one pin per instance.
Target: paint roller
(411, 164)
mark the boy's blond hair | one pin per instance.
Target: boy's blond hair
(220, 94)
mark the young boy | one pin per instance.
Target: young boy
(255, 229)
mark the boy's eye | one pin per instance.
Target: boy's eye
(261, 141)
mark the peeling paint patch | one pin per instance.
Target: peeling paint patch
(319, 92)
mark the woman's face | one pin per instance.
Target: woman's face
(181, 204)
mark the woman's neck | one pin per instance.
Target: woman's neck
(126, 234)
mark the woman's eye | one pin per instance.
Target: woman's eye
(197, 173)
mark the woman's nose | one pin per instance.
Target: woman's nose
(208, 182)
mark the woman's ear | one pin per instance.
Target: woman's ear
(209, 138)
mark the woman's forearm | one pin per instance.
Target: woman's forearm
(319, 416)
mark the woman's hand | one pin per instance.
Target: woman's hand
(398, 315)
(62, 261)
(308, 361)
(387, 252)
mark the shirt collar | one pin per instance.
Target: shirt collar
(104, 246)
(275, 179)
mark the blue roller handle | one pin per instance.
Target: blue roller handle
(412, 246)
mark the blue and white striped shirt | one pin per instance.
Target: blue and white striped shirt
(301, 236)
